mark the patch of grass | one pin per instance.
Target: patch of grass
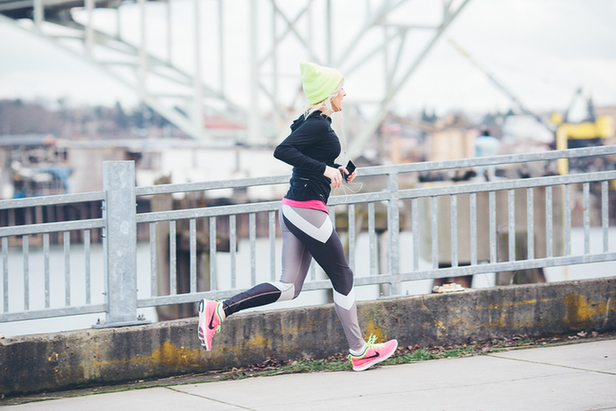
(272, 366)
(425, 354)
(340, 362)
(403, 355)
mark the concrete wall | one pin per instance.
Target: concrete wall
(102, 356)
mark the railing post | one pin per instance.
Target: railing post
(393, 229)
(120, 243)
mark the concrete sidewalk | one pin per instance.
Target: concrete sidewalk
(578, 376)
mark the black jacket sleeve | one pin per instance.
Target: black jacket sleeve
(296, 148)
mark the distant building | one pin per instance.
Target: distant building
(35, 165)
(32, 165)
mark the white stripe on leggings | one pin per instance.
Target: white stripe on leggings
(321, 234)
(345, 301)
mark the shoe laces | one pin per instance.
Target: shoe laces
(371, 343)
(216, 314)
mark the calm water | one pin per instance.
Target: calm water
(77, 279)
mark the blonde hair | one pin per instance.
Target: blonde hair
(324, 106)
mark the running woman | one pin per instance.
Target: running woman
(307, 231)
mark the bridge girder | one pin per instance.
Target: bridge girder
(375, 45)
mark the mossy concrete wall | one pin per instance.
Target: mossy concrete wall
(44, 363)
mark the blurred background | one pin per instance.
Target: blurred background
(168, 82)
(198, 90)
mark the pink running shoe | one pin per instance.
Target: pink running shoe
(373, 354)
(209, 322)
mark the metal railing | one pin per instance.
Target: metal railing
(474, 243)
(25, 232)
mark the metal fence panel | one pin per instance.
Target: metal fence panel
(467, 253)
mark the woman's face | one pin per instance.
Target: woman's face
(337, 101)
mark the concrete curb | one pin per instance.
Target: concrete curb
(52, 362)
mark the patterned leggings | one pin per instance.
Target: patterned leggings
(307, 234)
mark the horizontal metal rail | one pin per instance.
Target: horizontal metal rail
(487, 161)
(207, 212)
(210, 185)
(53, 313)
(386, 278)
(508, 185)
(52, 227)
(52, 200)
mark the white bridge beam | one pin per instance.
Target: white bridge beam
(380, 40)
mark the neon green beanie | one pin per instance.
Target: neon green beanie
(318, 82)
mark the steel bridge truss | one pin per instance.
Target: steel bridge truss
(381, 41)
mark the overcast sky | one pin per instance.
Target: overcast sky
(541, 50)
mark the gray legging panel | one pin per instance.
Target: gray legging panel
(306, 234)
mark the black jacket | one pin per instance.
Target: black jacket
(311, 146)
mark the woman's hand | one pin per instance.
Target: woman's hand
(350, 177)
(335, 175)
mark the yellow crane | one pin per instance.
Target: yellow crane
(567, 135)
(584, 134)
